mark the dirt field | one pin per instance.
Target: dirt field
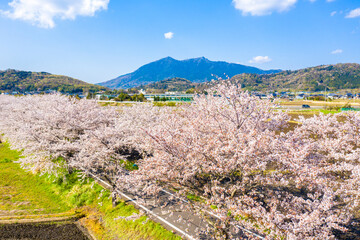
(337, 103)
(41, 231)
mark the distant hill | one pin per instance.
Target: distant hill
(196, 70)
(22, 81)
(333, 77)
(172, 84)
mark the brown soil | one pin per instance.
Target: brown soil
(53, 231)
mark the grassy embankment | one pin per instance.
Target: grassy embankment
(25, 195)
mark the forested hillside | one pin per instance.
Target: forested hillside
(332, 77)
(23, 81)
(172, 84)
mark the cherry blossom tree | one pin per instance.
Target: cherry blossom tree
(229, 148)
(49, 128)
(112, 150)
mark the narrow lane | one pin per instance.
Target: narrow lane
(190, 226)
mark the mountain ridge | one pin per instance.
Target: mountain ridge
(197, 70)
(331, 76)
(27, 81)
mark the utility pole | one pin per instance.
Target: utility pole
(325, 93)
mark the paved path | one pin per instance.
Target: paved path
(168, 215)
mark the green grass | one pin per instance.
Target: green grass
(86, 193)
(23, 193)
(166, 104)
(195, 198)
(313, 111)
(138, 228)
(7, 155)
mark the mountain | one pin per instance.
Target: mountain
(22, 81)
(333, 77)
(171, 84)
(195, 70)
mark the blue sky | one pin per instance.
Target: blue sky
(97, 40)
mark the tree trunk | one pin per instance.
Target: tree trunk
(114, 198)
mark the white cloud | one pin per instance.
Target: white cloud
(333, 13)
(169, 35)
(260, 59)
(43, 12)
(337, 51)
(354, 13)
(263, 7)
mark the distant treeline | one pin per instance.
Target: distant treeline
(123, 96)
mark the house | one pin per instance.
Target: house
(349, 95)
(333, 96)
